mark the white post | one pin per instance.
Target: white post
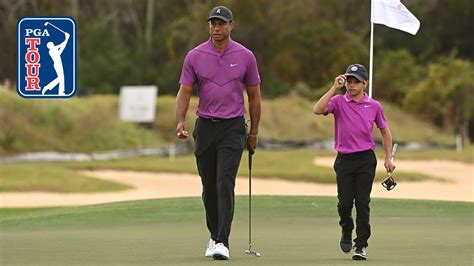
(172, 152)
(371, 57)
(459, 143)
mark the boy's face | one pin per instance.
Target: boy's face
(354, 86)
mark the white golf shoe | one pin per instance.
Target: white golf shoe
(220, 252)
(360, 253)
(210, 248)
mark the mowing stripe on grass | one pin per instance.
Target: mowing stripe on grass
(286, 230)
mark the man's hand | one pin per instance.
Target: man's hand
(181, 131)
(252, 141)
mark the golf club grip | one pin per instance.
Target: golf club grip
(250, 159)
(394, 151)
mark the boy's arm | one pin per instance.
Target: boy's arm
(321, 106)
(387, 148)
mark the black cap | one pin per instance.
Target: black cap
(358, 71)
(221, 12)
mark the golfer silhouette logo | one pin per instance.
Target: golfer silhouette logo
(55, 52)
(47, 56)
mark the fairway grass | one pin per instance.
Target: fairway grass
(286, 230)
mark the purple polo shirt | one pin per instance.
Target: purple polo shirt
(221, 78)
(354, 121)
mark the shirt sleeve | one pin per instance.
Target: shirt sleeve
(380, 120)
(188, 77)
(252, 77)
(332, 105)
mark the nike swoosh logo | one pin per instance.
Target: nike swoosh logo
(366, 106)
(233, 65)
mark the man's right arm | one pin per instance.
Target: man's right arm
(321, 106)
(182, 105)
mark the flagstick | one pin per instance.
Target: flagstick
(371, 57)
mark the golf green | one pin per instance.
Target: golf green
(286, 231)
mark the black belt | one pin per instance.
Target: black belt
(217, 119)
(354, 153)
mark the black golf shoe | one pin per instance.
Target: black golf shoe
(346, 242)
(359, 254)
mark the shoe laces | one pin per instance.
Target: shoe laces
(220, 245)
(211, 243)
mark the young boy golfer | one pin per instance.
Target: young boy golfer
(354, 117)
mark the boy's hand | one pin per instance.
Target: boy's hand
(339, 81)
(389, 166)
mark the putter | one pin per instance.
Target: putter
(389, 182)
(250, 251)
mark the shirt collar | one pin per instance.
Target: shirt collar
(212, 48)
(365, 98)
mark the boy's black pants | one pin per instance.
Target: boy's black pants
(355, 174)
(219, 144)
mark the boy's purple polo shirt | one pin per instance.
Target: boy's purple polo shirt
(221, 78)
(354, 121)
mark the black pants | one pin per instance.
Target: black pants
(355, 174)
(218, 149)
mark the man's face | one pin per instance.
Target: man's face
(219, 29)
(355, 86)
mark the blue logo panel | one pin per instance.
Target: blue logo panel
(46, 57)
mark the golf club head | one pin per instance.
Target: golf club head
(252, 253)
(46, 23)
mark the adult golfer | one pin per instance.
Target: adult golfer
(221, 69)
(354, 115)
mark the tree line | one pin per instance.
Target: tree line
(300, 46)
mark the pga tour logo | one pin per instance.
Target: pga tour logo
(46, 57)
